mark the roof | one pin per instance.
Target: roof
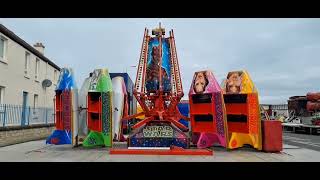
(24, 44)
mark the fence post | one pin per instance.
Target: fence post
(29, 115)
(46, 115)
(4, 115)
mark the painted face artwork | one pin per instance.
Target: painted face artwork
(153, 68)
(200, 82)
(234, 82)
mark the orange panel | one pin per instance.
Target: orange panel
(253, 113)
(240, 127)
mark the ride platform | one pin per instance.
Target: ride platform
(174, 150)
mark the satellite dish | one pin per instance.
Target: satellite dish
(46, 83)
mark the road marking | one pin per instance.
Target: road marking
(302, 142)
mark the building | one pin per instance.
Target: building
(276, 110)
(27, 77)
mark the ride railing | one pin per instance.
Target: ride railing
(18, 115)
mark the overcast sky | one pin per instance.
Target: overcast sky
(281, 55)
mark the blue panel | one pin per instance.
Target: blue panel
(178, 138)
(66, 80)
(59, 137)
(184, 110)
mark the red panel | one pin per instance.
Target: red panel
(203, 126)
(272, 136)
(93, 106)
(201, 108)
(94, 115)
(237, 108)
(66, 110)
(239, 127)
(201, 152)
(94, 123)
(59, 123)
(58, 102)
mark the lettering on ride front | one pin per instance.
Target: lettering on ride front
(106, 113)
(158, 132)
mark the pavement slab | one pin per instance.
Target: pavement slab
(38, 151)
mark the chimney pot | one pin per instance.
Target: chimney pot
(40, 47)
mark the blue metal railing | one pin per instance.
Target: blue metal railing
(15, 115)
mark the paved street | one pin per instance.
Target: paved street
(39, 151)
(302, 140)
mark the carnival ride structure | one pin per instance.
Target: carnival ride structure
(207, 111)
(158, 90)
(66, 110)
(120, 107)
(99, 110)
(83, 126)
(243, 110)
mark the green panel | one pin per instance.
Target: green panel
(94, 139)
(104, 83)
(100, 81)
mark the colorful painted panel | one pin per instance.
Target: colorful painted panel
(154, 55)
(66, 110)
(238, 82)
(207, 111)
(66, 80)
(158, 135)
(100, 107)
(243, 111)
(204, 82)
(100, 81)
(107, 118)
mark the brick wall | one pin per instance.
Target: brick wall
(18, 134)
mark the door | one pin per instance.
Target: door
(24, 108)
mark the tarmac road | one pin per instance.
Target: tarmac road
(306, 141)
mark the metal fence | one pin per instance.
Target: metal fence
(15, 115)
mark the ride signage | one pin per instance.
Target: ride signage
(158, 132)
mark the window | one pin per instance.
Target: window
(35, 101)
(3, 48)
(37, 70)
(1, 94)
(26, 63)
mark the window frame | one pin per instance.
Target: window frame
(35, 101)
(37, 69)
(55, 76)
(27, 63)
(4, 59)
(2, 91)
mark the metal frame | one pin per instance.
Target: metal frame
(159, 111)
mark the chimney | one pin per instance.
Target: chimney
(40, 47)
